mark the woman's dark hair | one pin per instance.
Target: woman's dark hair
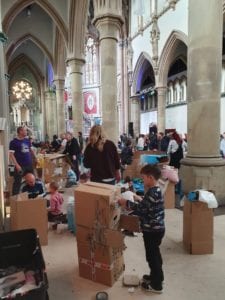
(177, 138)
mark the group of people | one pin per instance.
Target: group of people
(101, 158)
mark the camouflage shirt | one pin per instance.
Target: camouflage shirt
(150, 210)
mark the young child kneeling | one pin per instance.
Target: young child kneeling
(56, 202)
(151, 213)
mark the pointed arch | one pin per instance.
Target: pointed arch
(167, 56)
(19, 5)
(25, 60)
(14, 45)
(143, 60)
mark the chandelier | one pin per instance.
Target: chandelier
(22, 90)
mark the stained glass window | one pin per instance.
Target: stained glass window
(91, 66)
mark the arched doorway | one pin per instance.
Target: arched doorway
(173, 76)
(145, 94)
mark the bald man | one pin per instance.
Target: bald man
(32, 186)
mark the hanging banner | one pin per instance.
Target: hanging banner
(90, 103)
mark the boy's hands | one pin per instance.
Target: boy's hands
(122, 202)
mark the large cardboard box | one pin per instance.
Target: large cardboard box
(55, 167)
(197, 228)
(96, 205)
(28, 213)
(105, 274)
(102, 236)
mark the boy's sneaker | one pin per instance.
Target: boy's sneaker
(148, 288)
(146, 278)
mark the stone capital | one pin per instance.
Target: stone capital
(108, 26)
(75, 64)
(59, 83)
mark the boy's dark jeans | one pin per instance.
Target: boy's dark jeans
(152, 241)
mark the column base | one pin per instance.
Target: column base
(203, 173)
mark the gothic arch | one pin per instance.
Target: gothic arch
(16, 8)
(142, 60)
(167, 55)
(14, 45)
(25, 60)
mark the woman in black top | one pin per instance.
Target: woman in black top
(101, 157)
(72, 149)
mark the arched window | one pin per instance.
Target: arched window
(91, 66)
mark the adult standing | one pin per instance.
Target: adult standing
(101, 157)
(80, 141)
(163, 142)
(175, 150)
(20, 153)
(141, 142)
(72, 149)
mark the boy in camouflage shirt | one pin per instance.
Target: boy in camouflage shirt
(151, 213)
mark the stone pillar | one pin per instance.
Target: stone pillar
(161, 108)
(50, 114)
(59, 84)
(76, 72)
(135, 114)
(204, 167)
(4, 99)
(108, 22)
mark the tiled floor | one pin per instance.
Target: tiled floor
(186, 276)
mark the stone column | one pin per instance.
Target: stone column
(50, 114)
(59, 84)
(135, 114)
(108, 22)
(76, 72)
(4, 99)
(161, 108)
(204, 167)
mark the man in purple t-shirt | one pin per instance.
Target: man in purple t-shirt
(21, 155)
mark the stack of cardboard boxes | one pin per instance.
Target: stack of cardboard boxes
(100, 242)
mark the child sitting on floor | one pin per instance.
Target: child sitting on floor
(71, 178)
(56, 201)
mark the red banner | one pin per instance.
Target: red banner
(90, 102)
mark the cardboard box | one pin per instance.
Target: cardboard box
(96, 205)
(29, 214)
(102, 236)
(55, 167)
(169, 196)
(131, 223)
(197, 228)
(100, 253)
(96, 271)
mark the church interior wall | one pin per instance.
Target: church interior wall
(39, 25)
